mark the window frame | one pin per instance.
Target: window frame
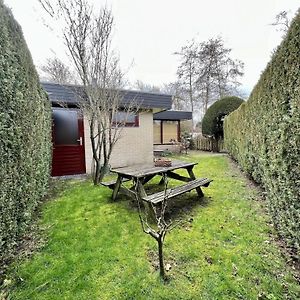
(162, 132)
(136, 122)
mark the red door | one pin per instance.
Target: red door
(68, 142)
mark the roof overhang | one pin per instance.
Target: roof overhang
(73, 94)
(173, 115)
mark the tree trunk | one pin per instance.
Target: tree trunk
(161, 258)
(96, 177)
(191, 95)
(215, 145)
(206, 98)
(103, 171)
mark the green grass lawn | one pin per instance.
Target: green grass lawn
(96, 249)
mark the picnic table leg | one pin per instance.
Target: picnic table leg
(148, 207)
(162, 181)
(193, 177)
(147, 178)
(140, 189)
(117, 187)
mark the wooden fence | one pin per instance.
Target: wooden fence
(207, 144)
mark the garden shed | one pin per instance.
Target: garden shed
(72, 152)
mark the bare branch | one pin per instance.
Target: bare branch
(88, 39)
(47, 7)
(57, 71)
(162, 226)
(282, 21)
(206, 72)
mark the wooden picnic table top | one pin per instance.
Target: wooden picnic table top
(142, 170)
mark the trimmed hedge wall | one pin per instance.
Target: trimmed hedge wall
(263, 135)
(212, 124)
(25, 138)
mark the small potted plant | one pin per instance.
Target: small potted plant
(162, 162)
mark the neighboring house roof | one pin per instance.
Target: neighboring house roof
(173, 115)
(70, 94)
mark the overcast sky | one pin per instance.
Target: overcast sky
(148, 32)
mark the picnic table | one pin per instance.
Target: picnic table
(141, 174)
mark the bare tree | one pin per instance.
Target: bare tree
(217, 72)
(173, 88)
(178, 100)
(207, 72)
(282, 21)
(159, 230)
(146, 87)
(88, 38)
(57, 71)
(187, 73)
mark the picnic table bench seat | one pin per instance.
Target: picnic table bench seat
(176, 191)
(111, 184)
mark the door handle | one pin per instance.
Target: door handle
(80, 141)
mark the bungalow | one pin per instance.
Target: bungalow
(72, 152)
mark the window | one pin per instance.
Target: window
(65, 126)
(170, 131)
(127, 119)
(166, 132)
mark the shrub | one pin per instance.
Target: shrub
(264, 135)
(212, 123)
(24, 134)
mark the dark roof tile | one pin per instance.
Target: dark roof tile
(70, 94)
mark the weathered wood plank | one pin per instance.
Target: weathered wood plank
(140, 171)
(117, 187)
(171, 193)
(148, 178)
(143, 173)
(131, 194)
(176, 176)
(192, 176)
(110, 184)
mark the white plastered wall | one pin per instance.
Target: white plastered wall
(135, 145)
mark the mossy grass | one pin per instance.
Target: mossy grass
(96, 248)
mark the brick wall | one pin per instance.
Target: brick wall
(134, 146)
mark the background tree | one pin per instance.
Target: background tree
(146, 87)
(212, 123)
(173, 88)
(187, 74)
(218, 72)
(178, 101)
(282, 21)
(207, 72)
(57, 71)
(88, 36)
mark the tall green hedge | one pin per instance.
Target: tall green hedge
(25, 143)
(263, 134)
(212, 123)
